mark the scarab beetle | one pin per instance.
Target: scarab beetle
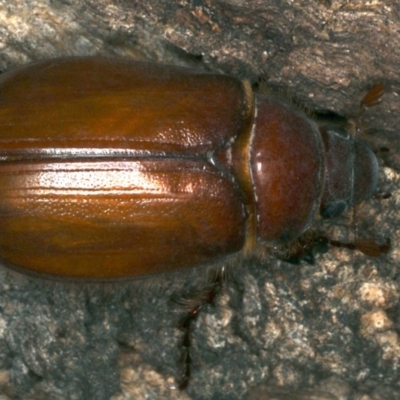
(118, 169)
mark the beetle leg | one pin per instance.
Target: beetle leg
(194, 302)
(305, 248)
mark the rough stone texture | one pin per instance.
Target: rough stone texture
(327, 331)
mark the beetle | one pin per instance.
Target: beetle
(112, 169)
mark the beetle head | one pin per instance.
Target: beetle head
(351, 172)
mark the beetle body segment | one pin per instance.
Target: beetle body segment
(100, 107)
(104, 168)
(113, 169)
(105, 216)
(288, 170)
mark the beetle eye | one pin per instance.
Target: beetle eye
(334, 209)
(338, 131)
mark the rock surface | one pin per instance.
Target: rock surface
(326, 331)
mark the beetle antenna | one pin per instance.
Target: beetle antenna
(367, 246)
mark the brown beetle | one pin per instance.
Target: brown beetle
(116, 169)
